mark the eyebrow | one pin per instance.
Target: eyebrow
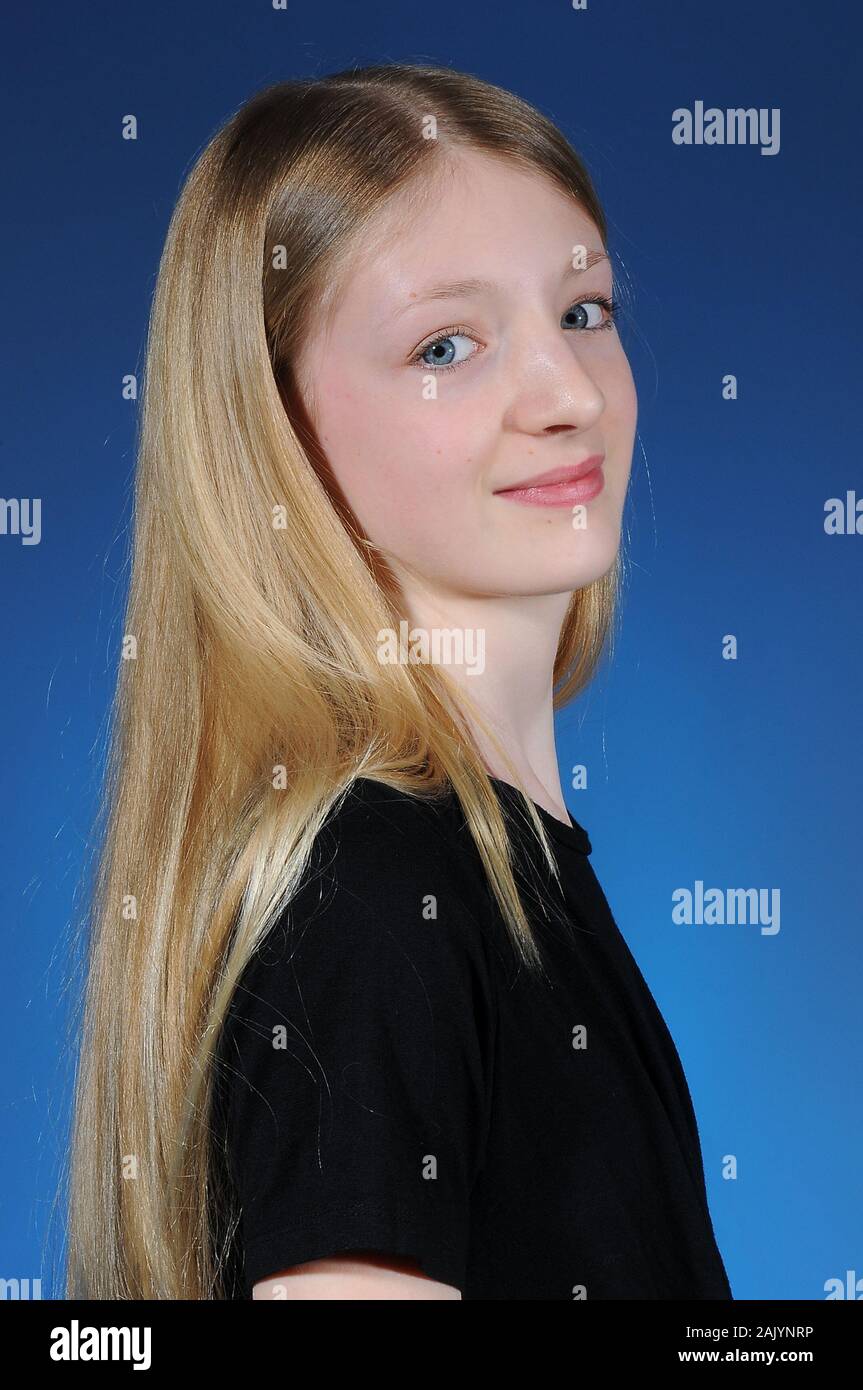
(461, 289)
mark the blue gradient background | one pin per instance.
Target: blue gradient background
(740, 773)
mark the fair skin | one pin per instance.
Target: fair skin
(538, 384)
(359, 1275)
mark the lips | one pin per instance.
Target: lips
(569, 473)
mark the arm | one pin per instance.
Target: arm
(358, 1059)
(358, 1276)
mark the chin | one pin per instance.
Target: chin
(577, 562)
(535, 581)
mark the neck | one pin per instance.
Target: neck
(509, 644)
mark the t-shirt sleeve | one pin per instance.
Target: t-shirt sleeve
(358, 1053)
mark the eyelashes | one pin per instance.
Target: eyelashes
(458, 330)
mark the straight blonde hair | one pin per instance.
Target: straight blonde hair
(250, 697)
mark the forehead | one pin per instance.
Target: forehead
(472, 214)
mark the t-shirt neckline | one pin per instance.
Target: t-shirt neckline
(573, 835)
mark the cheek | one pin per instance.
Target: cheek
(620, 424)
(619, 390)
(403, 465)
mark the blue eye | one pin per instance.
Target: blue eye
(578, 317)
(443, 349)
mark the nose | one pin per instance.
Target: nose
(554, 388)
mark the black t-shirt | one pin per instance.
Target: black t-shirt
(394, 1080)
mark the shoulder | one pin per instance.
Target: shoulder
(379, 819)
(400, 859)
(391, 908)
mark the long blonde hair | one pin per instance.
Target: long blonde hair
(249, 693)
